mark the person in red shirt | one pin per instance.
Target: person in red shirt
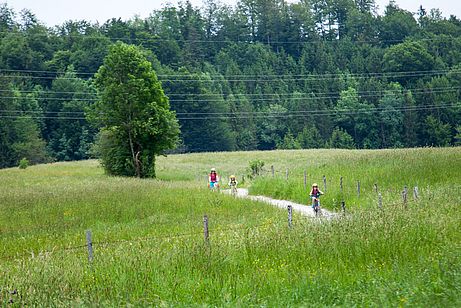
(213, 179)
(315, 195)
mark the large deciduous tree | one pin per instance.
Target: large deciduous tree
(137, 123)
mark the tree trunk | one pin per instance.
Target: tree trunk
(134, 155)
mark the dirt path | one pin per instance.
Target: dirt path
(301, 208)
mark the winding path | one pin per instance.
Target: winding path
(301, 208)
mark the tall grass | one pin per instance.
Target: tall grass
(393, 256)
(391, 170)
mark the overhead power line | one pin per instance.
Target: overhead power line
(242, 39)
(236, 95)
(256, 114)
(439, 71)
(294, 96)
(251, 77)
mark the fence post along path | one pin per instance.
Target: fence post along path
(205, 228)
(89, 243)
(290, 215)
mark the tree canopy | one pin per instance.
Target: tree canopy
(135, 115)
(263, 74)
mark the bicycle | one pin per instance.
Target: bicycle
(233, 189)
(214, 186)
(316, 206)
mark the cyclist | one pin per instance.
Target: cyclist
(213, 179)
(233, 183)
(315, 195)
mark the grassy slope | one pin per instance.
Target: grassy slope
(429, 169)
(373, 257)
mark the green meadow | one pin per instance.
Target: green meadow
(149, 247)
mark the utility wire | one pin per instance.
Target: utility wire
(295, 96)
(246, 39)
(265, 77)
(294, 114)
(236, 95)
(323, 112)
(393, 73)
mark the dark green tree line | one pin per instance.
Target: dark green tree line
(262, 74)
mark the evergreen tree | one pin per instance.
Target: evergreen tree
(340, 139)
(289, 142)
(390, 117)
(310, 138)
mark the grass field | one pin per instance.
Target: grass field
(148, 234)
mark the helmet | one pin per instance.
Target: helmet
(232, 176)
(314, 185)
(213, 169)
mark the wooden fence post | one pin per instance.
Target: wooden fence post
(380, 201)
(358, 189)
(290, 216)
(343, 206)
(205, 228)
(404, 195)
(415, 193)
(341, 184)
(375, 186)
(89, 243)
(325, 183)
(305, 180)
(272, 170)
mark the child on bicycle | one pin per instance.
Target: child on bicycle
(213, 179)
(233, 181)
(315, 195)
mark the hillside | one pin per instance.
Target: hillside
(148, 234)
(261, 75)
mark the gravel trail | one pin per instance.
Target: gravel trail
(301, 208)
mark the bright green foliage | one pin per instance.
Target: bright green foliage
(410, 121)
(322, 64)
(390, 117)
(437, 132)
(28, 142)
(244, 127)
(19, 135)
(273, 127)
(396, 24)
(23, 163)
(310, 138)
(66, 129)
(407, 57)
(289, 142)
(256, 167)
(354, 116)
(134, 113)
(198, 101)
(340, 139)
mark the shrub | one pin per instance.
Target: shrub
(256, 166)
(23, 163)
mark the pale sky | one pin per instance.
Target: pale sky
(54, 12)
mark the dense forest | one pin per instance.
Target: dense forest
(263, 74)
